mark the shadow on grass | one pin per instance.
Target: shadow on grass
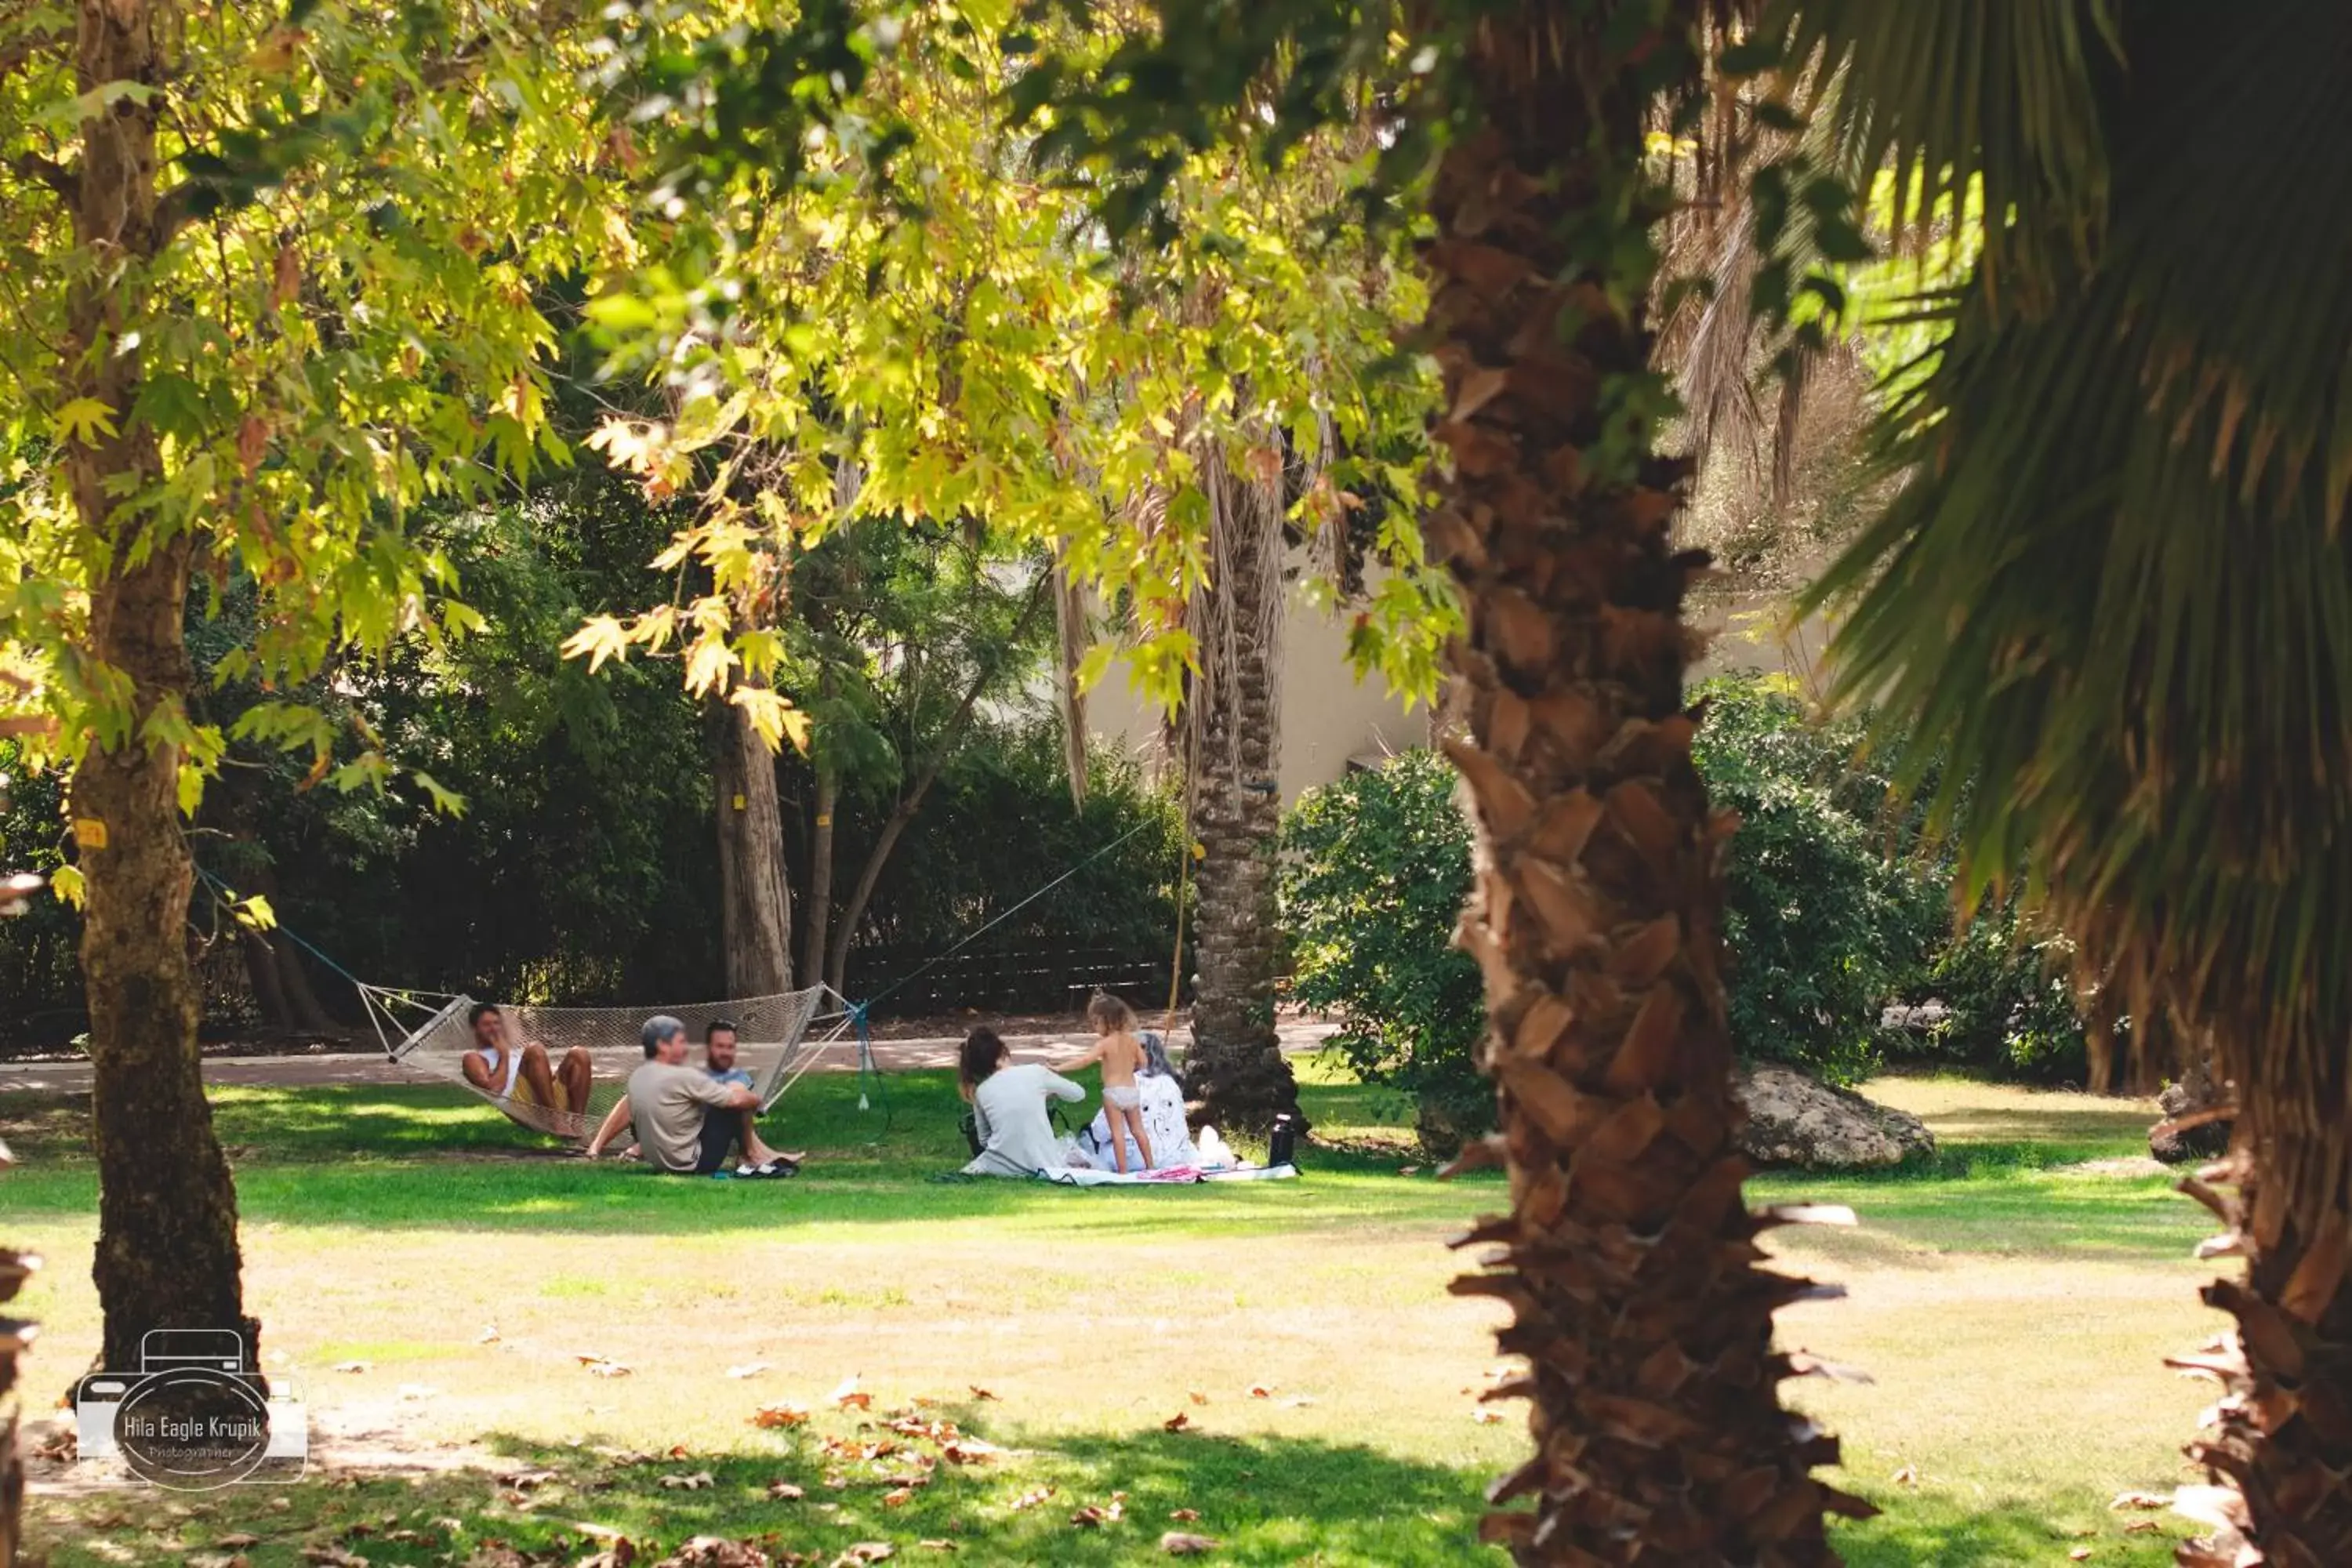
(1265, 1502)
(1920, 1528)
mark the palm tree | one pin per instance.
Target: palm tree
(1231, 724)
(2117, 588)
(1627, 1258)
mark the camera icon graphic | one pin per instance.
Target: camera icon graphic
(194, 1415)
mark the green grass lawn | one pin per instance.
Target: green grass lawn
(2012, 1297)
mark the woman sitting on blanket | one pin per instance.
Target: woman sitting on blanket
(1008, 1103)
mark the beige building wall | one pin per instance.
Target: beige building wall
(1329, 719)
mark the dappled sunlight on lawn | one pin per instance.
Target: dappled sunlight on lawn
(2011, 1305)
(1966, 1110)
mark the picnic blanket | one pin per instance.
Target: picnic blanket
(1171, 1176)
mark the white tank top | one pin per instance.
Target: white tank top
(506, 1062)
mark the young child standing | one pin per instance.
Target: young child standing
(1121, 1055)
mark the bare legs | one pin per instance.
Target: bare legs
(1125, 1120)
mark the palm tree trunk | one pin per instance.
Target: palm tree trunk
(2282, 1435)
(1237, 1068)
(167, 1245)
(1628, 1259)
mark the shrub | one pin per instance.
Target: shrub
(1835, 905)
(1822, 924)
(1375, 870)
(2010, 1007)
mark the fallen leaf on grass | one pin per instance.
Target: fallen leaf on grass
(980, 1393)
(1090, 1516)
(749, 1369)
(1485, 1417)
(849, 1396)
(525, 1481)
(968, 1451)
(866, 1551)
(2139, 1500)
(489, 1335)
(354, 1366)
(2080, 1554)
(1177, 1422)
(602, 1366)
(899, 1497)
(1177, 1544)
(2141, 1527)
(781, 1416)
(1028, 1501)
(332, 1556)
(237, 1543)
(784, 1491)
(1908, 1476)
(699, 1481)
(1408, 1170)
(1261, 1391)
(1197, 1397)
(715, 1552)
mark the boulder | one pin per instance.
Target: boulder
(2197, 1091)
(1797, 1119)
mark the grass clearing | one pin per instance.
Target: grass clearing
(2011, 1305)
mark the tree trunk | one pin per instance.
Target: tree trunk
(15, 1268)
(1237, 1068)
(2282, 1438)
(837, 969)
(167, 1245)
(1628, 1259)
(754, 904)
(952, 736)
(1071, 638)
(818, 905)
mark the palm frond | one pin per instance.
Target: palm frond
(2114, 587)
(1955, 92)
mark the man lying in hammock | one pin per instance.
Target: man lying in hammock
(532, 1093)
(687, 1121)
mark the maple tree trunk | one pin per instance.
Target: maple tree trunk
(1628, 1258)
(817, 908)
(1236, 1068)
(868, 877)
(755, 906)
(1071, 638)
(167, 1250)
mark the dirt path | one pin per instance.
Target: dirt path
(356, 1067)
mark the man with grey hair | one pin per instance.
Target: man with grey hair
(687, 1121)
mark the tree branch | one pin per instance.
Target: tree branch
(47, 172)
(951, 735)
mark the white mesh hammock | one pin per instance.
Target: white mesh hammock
(778, 1039)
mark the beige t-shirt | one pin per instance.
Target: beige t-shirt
(668, 1104)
